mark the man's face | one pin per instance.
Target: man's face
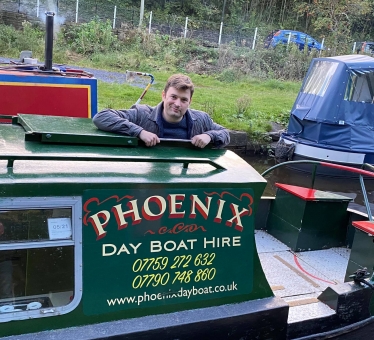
(176, 103)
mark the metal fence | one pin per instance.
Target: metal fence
(211, 33)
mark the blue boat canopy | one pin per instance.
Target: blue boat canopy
(335, 106)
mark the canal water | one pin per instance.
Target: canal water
(349, 187)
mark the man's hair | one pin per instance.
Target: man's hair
(179, 82)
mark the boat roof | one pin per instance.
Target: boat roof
(352, 61)
(335, 104)
(52, 148)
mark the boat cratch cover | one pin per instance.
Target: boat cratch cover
(335, 106)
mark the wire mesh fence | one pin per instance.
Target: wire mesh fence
(209, 33)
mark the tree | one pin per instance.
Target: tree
(334, 18)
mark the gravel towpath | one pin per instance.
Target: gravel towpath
(105, 76)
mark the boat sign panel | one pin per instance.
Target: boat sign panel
(165, 247)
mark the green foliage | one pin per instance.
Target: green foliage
(282, 63)
(242, 106)
(92, 37)
(335, 20)
(282, 117)
(229, 75)
(209, 107)
(8, 38)
(31, 39)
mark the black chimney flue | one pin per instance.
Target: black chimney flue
(48, 40)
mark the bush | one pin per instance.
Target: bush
(12, 42)
(8, 36)
(280, 63)
(91, 37)
(229, 75)
(32, 38)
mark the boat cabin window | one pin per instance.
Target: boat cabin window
(40, 257)
(360, 88)
(319, 77)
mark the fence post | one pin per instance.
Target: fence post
(141, 13)
(220, 34)
(114, 17)
(254, 39)
(76, 11)
(37, 9)
(354, 47)
(320, 51)
(185, 28)
(150, 23)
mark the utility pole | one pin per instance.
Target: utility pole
(142, 12)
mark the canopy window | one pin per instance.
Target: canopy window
(319, 77)
(360, 87)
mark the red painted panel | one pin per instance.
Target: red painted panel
(366, 226)
(304, 193)
(45, 100)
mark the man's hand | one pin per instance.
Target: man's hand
(201, 140)
(149, 138)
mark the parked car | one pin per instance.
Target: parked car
(366, 47)
(296, 37)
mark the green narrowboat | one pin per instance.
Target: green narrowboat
(104, 238)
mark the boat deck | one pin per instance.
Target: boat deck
(299, 278)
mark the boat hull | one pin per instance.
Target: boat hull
(259, 319)
(302, 151)
(139, 250)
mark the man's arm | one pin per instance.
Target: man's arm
(128, 122)
(204, 125)
(219, 135)
(118, 121)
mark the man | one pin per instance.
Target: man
(172, 118)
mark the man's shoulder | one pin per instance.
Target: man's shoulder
(197, 114)
(143, 107)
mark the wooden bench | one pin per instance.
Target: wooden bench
(362, 252)
(308, 219)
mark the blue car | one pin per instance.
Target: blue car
(366, 47)
(296, 37)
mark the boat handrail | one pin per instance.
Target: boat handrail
(331, 165)
(359, 171)
(366, 165)
(137, 159)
